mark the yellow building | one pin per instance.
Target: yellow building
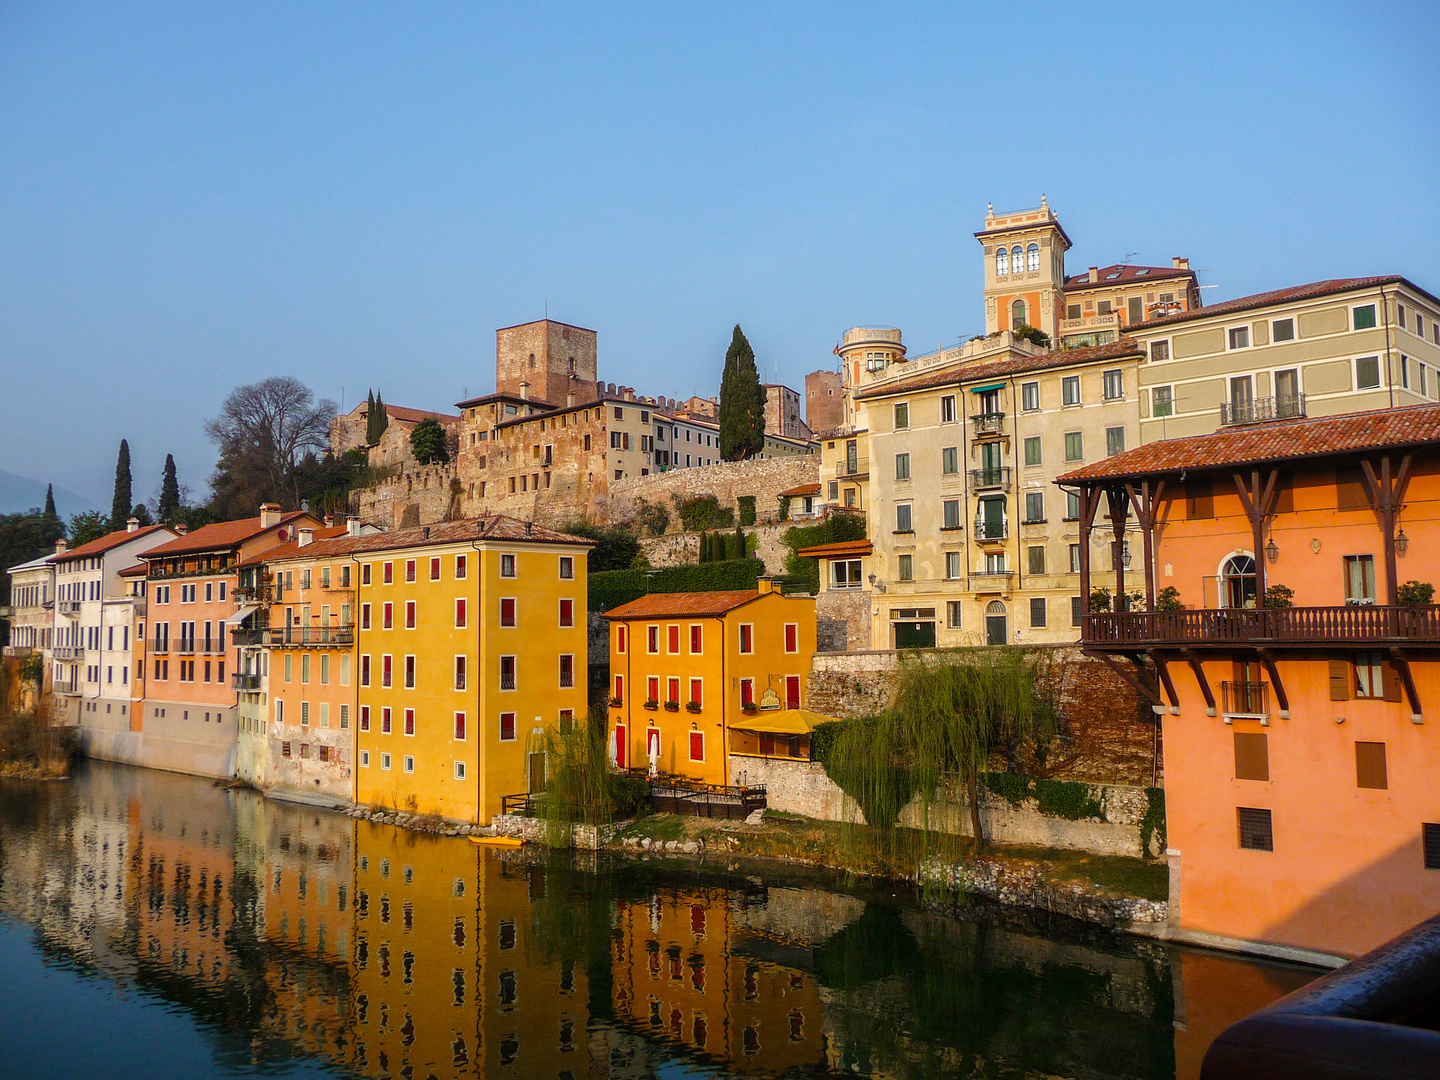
(470, 646)
(685, 667)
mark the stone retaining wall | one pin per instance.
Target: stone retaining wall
(683, 549)
(534, 830)
(763, 478)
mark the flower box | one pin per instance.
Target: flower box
(652, 704)
(616, 702)
(750, 708)
(672, 706)
(692, 706)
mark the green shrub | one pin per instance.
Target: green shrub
(747, 509)
(1067, 799)
(1414, 593)
(822, 739)
(1152, 825)
(615, 548)
(703, 512)
(1168, 599)
(1011, 787)
(612, 588)
(631, 795)
(1279, 596)
(1099, 600)
(833, 530)
(653, 517)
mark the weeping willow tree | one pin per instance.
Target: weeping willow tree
(952, 713)
(581, 787)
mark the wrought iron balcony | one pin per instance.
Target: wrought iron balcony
(279, 636)
(69, 652)
(1245, 698)
(1285, 407)
(246, 635)
(68, 607)
(1342, 624)
(988, 531)
(991, 423)
(245, 680)
(852, 470)
(997, 478)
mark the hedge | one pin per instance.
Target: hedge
(611, 588)
(833, 530)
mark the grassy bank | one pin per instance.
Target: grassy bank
(896, 854)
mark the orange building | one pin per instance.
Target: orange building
(686, 667)
(188, 718)
(1295, 682)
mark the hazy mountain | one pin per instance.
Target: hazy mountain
(20, 493)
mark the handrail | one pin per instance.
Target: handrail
(308, 635)
(1340, 623)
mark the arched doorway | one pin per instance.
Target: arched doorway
(996, 628)
(1237, 581)
(1018, 315)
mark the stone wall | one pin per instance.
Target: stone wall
(1107, 734)
(763, 478)
(842, 620)
(535, 831)
(423, 496)
(683, 549)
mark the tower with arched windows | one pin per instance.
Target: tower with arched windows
(1024, 269)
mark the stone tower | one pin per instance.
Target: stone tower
(1024, 269)
(546, 361)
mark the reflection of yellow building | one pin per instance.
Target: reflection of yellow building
(677, 979)
(433, 915)
(687, 667)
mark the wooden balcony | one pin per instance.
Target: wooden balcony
(279, 636)
(1358, 625)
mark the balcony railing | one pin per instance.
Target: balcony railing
(309, 635)
(185, 645)
(991, 530)
(1344, 624)
(507, 680)
(246, 635)
(7, 611)
(991, 478)
(1287, 407)
(160, 645)
(1245, 698)
(71, 688)
(68, 607)
(990, 423)
(245, 680)
(857, 468)
(69, 652)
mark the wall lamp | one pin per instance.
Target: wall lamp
(1271, 551)
(1401, 542)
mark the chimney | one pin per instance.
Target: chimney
(766, 585)
(629, 393)
(425, 532)
(1180, 264)
(61, 546)
(329, 521)
(529, 527)
(1094, 274)
(132, 524)
(269, 514)
(182, 528)
(352, 526)
(304, 536)
(525, 390)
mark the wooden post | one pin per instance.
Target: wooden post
(1387, 495)
(1119, 512)
(1086, 515)
(1143, 504)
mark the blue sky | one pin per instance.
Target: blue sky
(193, 196)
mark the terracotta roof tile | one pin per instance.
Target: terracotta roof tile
(958, 373)
(1413, 425)
(221, 534)
(803, 489)
(1125, 275)
(414, 416)
(104, 543)
(494, 527)
(291, 548)
(657, 605)
(140, 569)
(1281, 296)
(841, 547)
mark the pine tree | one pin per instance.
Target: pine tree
(169, 504)
(370, 419)
(50, 513)
(121, 503)
(742, 402)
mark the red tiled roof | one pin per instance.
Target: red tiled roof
(494, 527)
(138, 570)
(656, 605)
(803, 489)
(104, 543)
(414, 416)
(839, 548)
(959, 373)
(221, 534)
(1284, 296)
(291, 548)
(1124, 275)
(1412, 425)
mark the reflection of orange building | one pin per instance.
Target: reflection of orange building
(678, 979)
(1300, 792)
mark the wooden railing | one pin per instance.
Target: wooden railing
(1343, 624)
(309, 635)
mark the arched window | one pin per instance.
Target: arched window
(532, 361)
(1237, 581)
(1032, 254)
(1002, 261)
(1017, 258)
(1017, 314)
(996, 628)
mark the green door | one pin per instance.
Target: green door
(914, 635)
(993, 516)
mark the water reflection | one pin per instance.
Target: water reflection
(290, 933)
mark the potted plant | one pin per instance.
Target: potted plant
(1099, 600)
(1168, 599)
(616, 702)
(1415, 593)
(652, 704)
(1278, 596)
(672, 706)
(692, 706)
(750, 708)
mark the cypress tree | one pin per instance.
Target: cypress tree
(50, 514)
(370, 419)
(739, 544)
(169, 505)
(742, 402)
(382, 418)
(121, 503)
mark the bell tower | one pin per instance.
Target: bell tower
(1024, 256)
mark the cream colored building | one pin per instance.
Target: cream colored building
(31, 612)
(972, 542)
(1313, 350)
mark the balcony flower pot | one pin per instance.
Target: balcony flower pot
(652, 704)
(672, 706)
(616, 702)
(691, 706)
(750, 708)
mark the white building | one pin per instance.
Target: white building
(31, 611)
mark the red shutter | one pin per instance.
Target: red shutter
(460, 613)
(792, 635)
(697, 746)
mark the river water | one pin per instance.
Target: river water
(158, 925)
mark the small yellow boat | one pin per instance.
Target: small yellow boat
(498, 841)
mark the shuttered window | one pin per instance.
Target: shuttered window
(1339, 680)
(1430, 839)
(1255, 831)
(1252, 756)
(1370, 765)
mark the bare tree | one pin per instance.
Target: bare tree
(265, 431)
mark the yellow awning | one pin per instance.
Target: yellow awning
(782, 722)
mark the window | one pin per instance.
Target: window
(409, 614)
(1369, 676)
(652, 639)
(1162, 401)
(1002, 260)
(949, 460)
(697, 689)
(1159, 350)
(652, 688)
(385, 761)
(951, 510)
(1104, 307)
(460, 568)
(747, 637)
(1035, 559)
(620, 638)
(507, 673)
(1075, 611)
(902, 414)
(747, 692)
(567, 567)
(409, 763)
(507, 727)
(365, 670)
(1359, 579)
(792, 637)
(697, 640)
(409, 673)
(385, 664)
(1367, 373)
(1074, 447)
(1074, 558)
(1370, 769)
(1255, 831)
(1282, 330)
(459, 770)
(507, 611)
(389, 573)
(902, 466)
(619, 688)
(364, 616)
(1032, 450)
(1070, 390)
(1252, 756)
(1030, 396)
(672, 640)
(672, 690)
(1135, 309)
(1034, 507)
(409, 721)
(697, 746)
(507, 566)
(567, 612)
(1019, 315)
(1114, 385)
(845, 574)
(1239, 337)
(903, 523)
(1399, 317)
(954, 568)
(364, 717)
(389, 615)
(364, 759)
(1032, 258)
(1430, 842)
(953, 611)
(1114, 441)
(385, 721)
(567, 671)
(365, 574)
(906, 567)
(460, 672)
(1037, 610)
(460, 613)
(947, 409)
(1072, 506)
